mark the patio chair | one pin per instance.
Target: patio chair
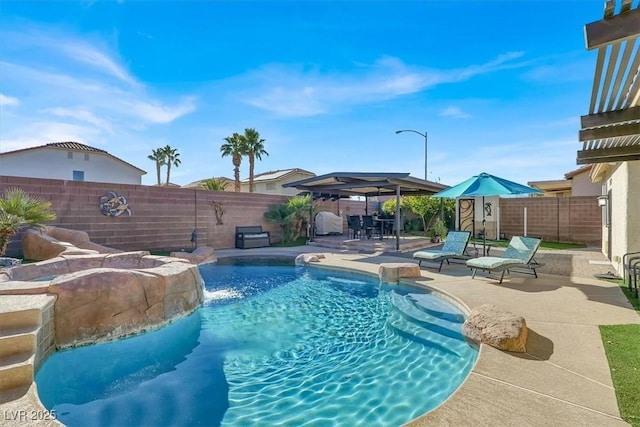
(519, 254)
(369, 226)
(454, 246)
(355, 225)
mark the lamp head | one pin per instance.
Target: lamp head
(398, 131)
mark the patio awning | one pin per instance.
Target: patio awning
(611, 130)
(368, 184)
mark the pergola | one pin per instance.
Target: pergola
(611, 130)
(367, 184)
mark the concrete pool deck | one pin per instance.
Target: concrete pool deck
(562, 380)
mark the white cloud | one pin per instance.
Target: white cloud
(294, 91)
(53, 47)
(83, 52)
(80, 115)
(8, 101)
(454, 112)
(155, 112)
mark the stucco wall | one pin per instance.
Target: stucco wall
(50, 163)
(582, 186)
(623, 183)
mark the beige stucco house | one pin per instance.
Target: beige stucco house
(271, 182)
(198, 184)
(70, 161)
(610, 133)
(575, 183)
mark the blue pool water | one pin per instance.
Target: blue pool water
(272, 345)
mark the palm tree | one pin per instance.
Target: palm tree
(172, 157)
(160, 159)
(214, 184)
(255, 150)
(19, 209)
(234, 147)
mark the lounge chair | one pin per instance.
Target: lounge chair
(454, 247)
(519, 254)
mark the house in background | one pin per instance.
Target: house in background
(69, 161)
(610, 132)
(271, 182)
(198, 184)
(575, 183)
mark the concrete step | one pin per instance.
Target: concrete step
(19, 319)
(18, 340)
(16, 370)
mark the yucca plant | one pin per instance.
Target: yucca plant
(18, 210)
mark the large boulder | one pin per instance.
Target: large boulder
(107, 303)
(497, 327)
(392, 272)
(55, 241)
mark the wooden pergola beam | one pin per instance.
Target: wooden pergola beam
(609, 132)
(616, 29)
(604, 155)
(610, 118)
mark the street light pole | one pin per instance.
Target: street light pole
(425, 146)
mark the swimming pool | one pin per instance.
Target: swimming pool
(272, 344)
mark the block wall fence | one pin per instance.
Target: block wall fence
(163, 217)
(561, 219)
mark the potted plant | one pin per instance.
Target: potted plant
(439, 231)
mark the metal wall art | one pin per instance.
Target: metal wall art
(114, 204)
(218, 210)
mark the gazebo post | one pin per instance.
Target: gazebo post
(310, 237)
(397, 218)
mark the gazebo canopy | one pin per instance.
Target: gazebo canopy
(367, 184)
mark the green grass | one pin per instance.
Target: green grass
(543, 245)
(622, 344)
(622, 347)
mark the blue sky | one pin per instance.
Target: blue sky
(499, 86)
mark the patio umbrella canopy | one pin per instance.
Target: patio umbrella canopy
(482, 185)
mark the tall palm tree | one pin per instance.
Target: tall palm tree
(157, 156)
(255, 150)
(19, 209)
(234, 147)
(172, 157)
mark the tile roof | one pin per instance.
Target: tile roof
(70, 145)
